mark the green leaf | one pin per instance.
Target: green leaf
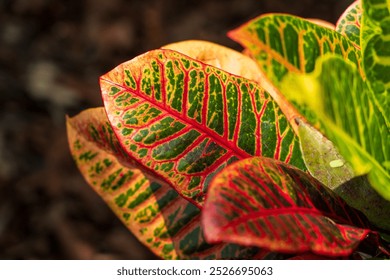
(155, 213)
(322, 158)
(267, 203)
(282, 44)
(349, 23)
(350, 118)
(183, 121)
(375, 39)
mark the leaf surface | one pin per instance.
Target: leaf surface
(219, 56)
(183, 121)
(155, 213)
(349, 23)
(375, 40)
(267, 203)
(351, 119)
(237, 64)
(322, 158)
(282, 43)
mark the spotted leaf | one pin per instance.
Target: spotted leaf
(349, 23)
(183, 121)
(154, 212)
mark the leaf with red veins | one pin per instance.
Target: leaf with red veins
(266, 203)
(183, 121)
(155, 213)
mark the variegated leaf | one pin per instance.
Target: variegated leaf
(236, 63)
(154, 212)
(349, 23)
(267, 203)
(375, 41)
(283, 43)
(183, 121)
(351, 119)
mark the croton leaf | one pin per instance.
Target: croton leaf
(350, 118)
(155, 213)
(282, 43)
(183, 121)
(236, 63)
(349, 23)
(375, 40)
(359, 194)
(263, 202)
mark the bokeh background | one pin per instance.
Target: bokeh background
(51, 56)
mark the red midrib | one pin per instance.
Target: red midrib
(275, 212)
(240, 154)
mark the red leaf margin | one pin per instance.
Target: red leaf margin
(247, 205)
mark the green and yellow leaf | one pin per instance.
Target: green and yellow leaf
(183, 121)
(375, 40)
(349, 23)
(282, 44)
(154, 212)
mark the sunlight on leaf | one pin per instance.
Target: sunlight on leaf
(283, 43)
(155, 213)
(218, 56)
(184, 121)
(351, 119)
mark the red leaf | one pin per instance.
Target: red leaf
(266, 203)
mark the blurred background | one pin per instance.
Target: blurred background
(51, 56)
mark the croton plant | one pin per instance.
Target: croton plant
(281, 151)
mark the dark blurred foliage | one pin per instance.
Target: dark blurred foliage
(51, 55)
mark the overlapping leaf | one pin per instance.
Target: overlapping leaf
(283, 43)
(351, 119)
(219, 56)
(349, 23)
(322, 158)
(236, 63)
(183, 121)
(375, 40)
(263, 202)
(155, 213)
